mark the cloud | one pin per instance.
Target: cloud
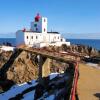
(82, 35)
(7, 35)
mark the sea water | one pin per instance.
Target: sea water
(95, 43)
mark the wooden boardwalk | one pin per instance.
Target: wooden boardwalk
(89, 83)
(63, 57)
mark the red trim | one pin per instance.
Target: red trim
(24, 30)
(74, 86)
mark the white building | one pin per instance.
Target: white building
(38, 35)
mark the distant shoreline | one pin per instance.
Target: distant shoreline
(86, 42)
(65, 37)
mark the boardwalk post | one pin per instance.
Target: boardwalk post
(46, 67)
(40, 67)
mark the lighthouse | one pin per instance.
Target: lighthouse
(39, 24)
(38, 36)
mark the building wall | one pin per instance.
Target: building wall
(45, 37)
(32, 38)
(50, 37)
(32, 26)
(54, 37)
(19, 37)
(44, 24)
(39, 25)
(61, 43)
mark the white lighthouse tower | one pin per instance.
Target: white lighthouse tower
(39, 25)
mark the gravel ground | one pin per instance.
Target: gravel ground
(89, 83)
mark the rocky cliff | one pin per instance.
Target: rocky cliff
(21, 69)
(19, 66)
(87, 50)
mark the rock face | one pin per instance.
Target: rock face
(21, 70)
(86, 50)
(57, 66)
(4, 56)
(81, 49)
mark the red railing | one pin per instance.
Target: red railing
(74, 85)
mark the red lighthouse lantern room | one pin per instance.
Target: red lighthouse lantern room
(37, 18)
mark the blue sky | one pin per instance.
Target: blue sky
(73, 18)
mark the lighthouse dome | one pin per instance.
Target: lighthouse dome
(37, 17)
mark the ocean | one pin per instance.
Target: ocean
(89, 42)
(95, 43)
(9, 40)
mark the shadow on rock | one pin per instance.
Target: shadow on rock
(97, 95)
(5, 84)
(92, 60)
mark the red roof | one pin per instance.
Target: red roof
(37, 17)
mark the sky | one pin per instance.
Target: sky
(72, 18)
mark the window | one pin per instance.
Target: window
(27, 37)
(32, 37)
(44, 29)
(36, 29)
(44, 20)
(36, 37)
(35, 25)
